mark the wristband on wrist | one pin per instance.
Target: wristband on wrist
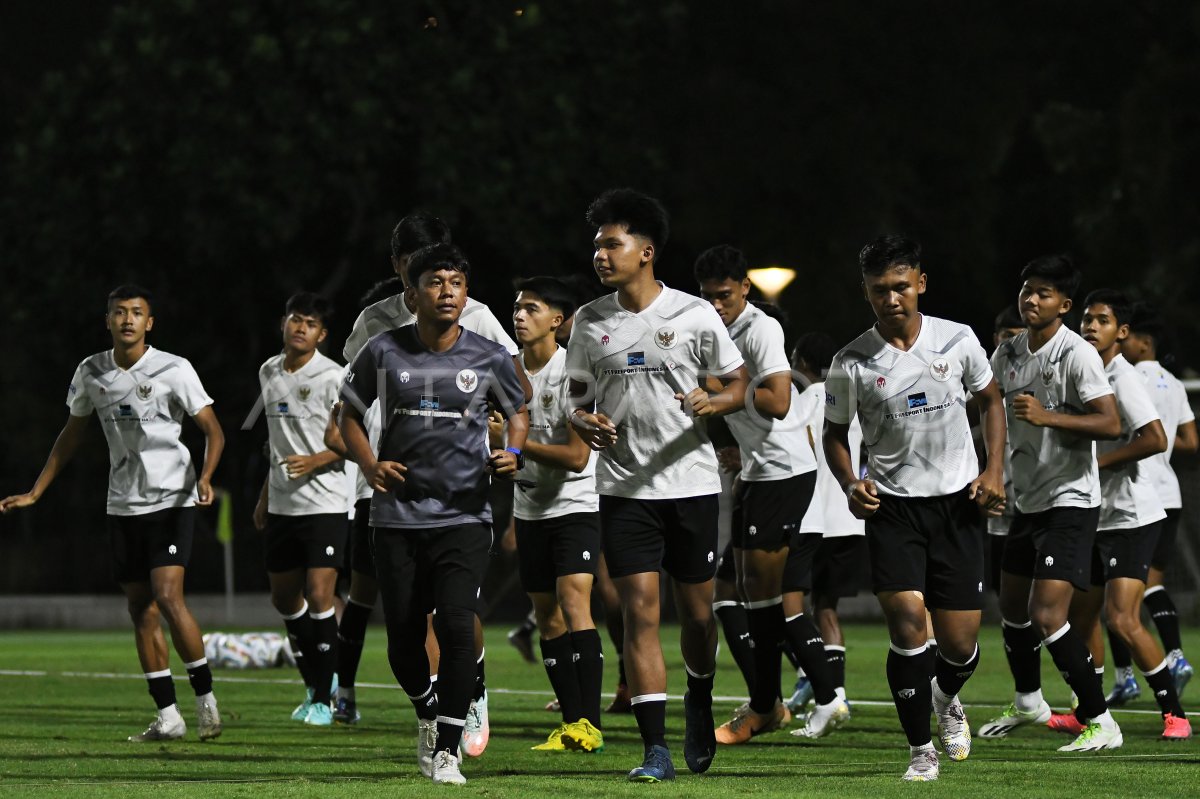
(520, 457)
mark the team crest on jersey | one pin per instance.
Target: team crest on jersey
(145, 390)
(666, 338)
(880, 381)
(304, 393)
(467, 380)
(547, 399)
(1047, 377)
(404, 377)
(940, 369)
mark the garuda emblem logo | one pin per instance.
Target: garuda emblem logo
(665, 338)
(940, 369)
(145, 390)
(466, 380)
(305, 392)
(547, 399)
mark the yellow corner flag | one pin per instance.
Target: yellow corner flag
(224, 517)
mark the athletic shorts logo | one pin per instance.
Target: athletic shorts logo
(547, 399)
(940, 369)
(405, 377)
(304, 393)
(329, 551)
(428, 402)
(549, 662)
(636, 359)
(467, 380)
(604, 339)
(145, 390)
(172, 549)
(1049, 560)
(906, 693)
(981, 587)
(710, 557)
(1112, 561)
(917, 400)
(587, 555)
(880, 382)
(753, 530)
(666, 338)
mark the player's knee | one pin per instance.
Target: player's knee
(1123, 622)
(1047, 619)
(143, 611)
(455, 626)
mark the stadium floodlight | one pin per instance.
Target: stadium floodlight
(771, 280)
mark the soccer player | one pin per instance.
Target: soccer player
(838, 562)
(1141, 348)
(1058, 403)
(908, 379)
(302, 507)
(141, 395)
(1130, 519)
(774, 490)
(558, 530)
(641, 354)
(1007, 325)
(430, 518)
(412, 233)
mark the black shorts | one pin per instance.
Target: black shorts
(148, 541)
(727, 568)
(767, 513)
(1164, 550)
(1124, 553)
(929, 544)
(839, 566)
(362, 558)
(551, 548)
(644, 535)
(798, 571)
(995, 558)
(317, 541)
(1054, 544)
(422, 570)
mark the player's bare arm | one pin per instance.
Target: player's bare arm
(773, 396)
(333, 435)
(1149, 439)
(503, 462)
(382, 476)
(260, 507)
(214, 444)
(572, 456)
(988, 488)
(731, 397)
(1186, 440)
(299, 465)
(861, 495)
(65, 447)
(596, 429)
(1101, 422)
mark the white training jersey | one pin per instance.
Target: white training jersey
(557, 491)
(1051, 468)
(771, 449)
(1170, 398)
(391, 313)
(1127, 498)
(634, 364)
(141, 410)
(829, 513)
(297, 406)
(912, 406)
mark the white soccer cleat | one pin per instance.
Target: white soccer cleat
(162, 730)
(1095, 736)
(426, 741)
(1012, 718)
(953, 730)
(208, 720)
(476, 731)
(824, 719)
(922, 767)
(445, 770)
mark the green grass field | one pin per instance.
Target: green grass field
(70, 699)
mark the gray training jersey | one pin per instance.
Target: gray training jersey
(434, 408)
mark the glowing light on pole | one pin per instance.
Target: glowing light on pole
(771, 280)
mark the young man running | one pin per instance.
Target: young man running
(774, 490)
(141, 395)
(430, 518)
(302, 507)
(640, 354)
(908, 379)
(1141, 348)
(1059, 403)
(1130, 519)
(558, 530)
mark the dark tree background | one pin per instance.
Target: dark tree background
(227, 154)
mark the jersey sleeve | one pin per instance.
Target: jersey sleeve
(490, 328)
(1134, 402)
(360, 385)
(189, 390)
(78, 401)
(505, 389)
(357, 338)
(764, 346)
(1086, 370)
(977, 370)
(718, 353)
(839, 390)
(1185, 413)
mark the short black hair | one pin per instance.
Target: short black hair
(888, 250)
(417, 231)
(552, 291)
(1008, 318)
(1120, 304)
(130, 291)
(722, 262)
(382, 290)
(307, 303)
(816, 349)
(1145, 319)
(435, 258)
(1057, 270)
(641, 214)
